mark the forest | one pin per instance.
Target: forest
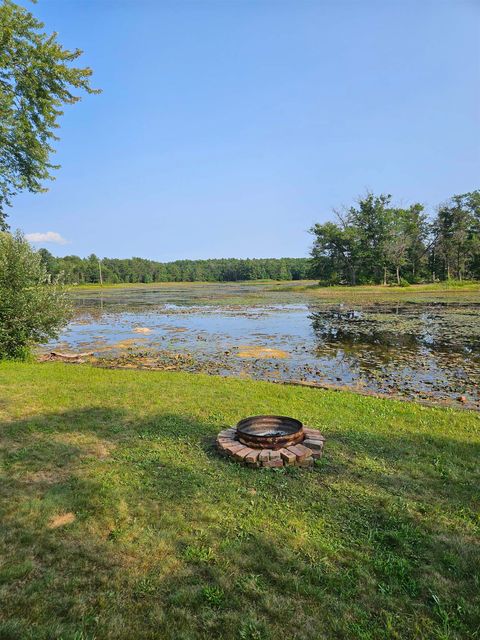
(77, 270)
(375, 242)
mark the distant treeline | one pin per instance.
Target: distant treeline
(115, 270)
(376, 242)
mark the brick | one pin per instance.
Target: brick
(264, 456)
(306, 462)
(300, 451)
(274, 459)
(241, 453)
(313, 444)
(288, 456)
(317, 453)
(252, 457)
(306, 451)
(293, 449)
(223, 442)
(230, 449)
(313, 433)
(276, 462)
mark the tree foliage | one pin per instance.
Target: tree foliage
(33, 307)
(36, 81)
(114, 270)
(376, 242)
(457, 236)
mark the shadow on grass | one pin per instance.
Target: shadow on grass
(168, 540)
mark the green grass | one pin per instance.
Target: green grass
(439, 291)
(164, 539)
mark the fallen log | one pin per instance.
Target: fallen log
(70, 356)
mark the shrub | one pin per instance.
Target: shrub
(33, 308)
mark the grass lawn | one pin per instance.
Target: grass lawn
(119, 520)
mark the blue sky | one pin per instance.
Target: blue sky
(227, 128)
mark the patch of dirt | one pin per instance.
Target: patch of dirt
(46, 477)
(61, 520)
(126, 344)
(100, 450)
(142, 330)
(86, 447)
(260, 352)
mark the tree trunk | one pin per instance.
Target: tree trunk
(384, 276)
(398, 275)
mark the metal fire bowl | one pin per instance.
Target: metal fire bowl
(269, 432)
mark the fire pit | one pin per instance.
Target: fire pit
(269, 432)
(271, 441)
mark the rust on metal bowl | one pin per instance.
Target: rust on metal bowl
(269, 432)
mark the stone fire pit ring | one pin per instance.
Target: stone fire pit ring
(271, 441)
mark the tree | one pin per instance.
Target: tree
(397, 242)
(48, 261)
(33, 308)
(418, 230)
(456, 232)
(404, 241)
(36, 80)
(371, 220)
(335, 252)
(373, 239)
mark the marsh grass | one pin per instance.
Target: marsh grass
(449, 291)
(254, 292)
(168, 540)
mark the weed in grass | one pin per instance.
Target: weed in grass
(198, 554)
(252, 584)
(214, 596)
(253, 630)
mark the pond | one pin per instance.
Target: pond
(425, 348)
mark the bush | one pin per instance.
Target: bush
(33, 308)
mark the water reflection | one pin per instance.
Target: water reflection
(399, 327)
(414, 349)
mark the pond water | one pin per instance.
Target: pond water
(424, 349)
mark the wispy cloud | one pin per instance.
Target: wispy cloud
(46, 236)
